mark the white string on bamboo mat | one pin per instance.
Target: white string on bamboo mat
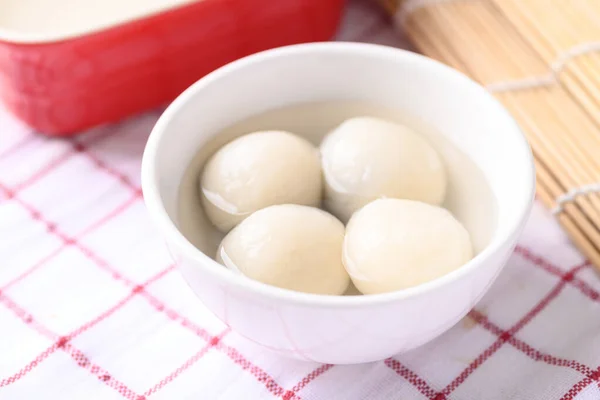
(551, 77)
(410, 6)
(572, 194)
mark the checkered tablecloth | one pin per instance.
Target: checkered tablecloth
(91, 306)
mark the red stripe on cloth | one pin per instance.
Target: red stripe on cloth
(9, 193)
(74, 149)
(51, 228)
(116, 211)
(580, 284)
(527, 349)
(582, 384)
(506, 336)
(124, 179)
(34, 267)
(62, 341)
(25, 317)
(113, 213)
(103, 264)
(29, 367)
(28, 320)
(539, 261)
(175, 316)
(102, 316)
(233, 354)
(17, 146)
(264, 378)
(134, 291)
(547, 266)
(258, 373)
(586, 289)
(474, 365)
(45, 170)
(191, 361)
(116, 275)
(307, 379)
(84, 362)
(414, 379)
(159, 276)
(567, 277)
(121, 303)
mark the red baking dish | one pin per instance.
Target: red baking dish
(63, 83)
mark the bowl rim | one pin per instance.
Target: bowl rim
(171, 233)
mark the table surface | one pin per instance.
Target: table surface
(91, 306)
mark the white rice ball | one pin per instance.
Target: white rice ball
(393, 244)
(258, 170)
(289, 246)
(368, 158)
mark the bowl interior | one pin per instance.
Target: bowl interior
(451, 104)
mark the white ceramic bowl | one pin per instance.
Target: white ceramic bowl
(341, 329)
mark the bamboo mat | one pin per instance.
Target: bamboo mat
(541, 59)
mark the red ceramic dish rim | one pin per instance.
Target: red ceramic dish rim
(23, 38)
